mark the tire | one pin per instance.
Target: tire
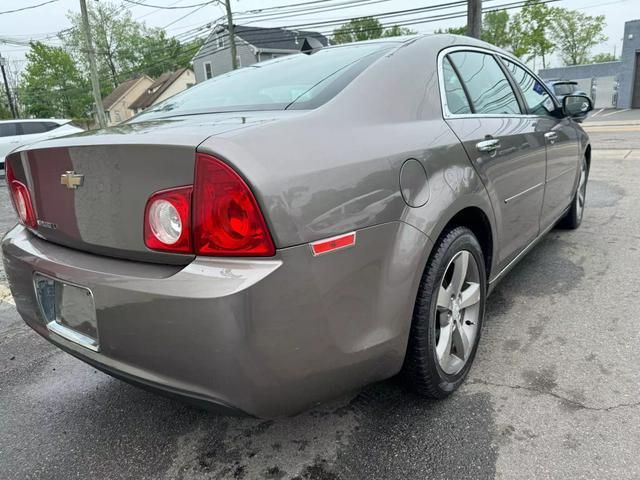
(427, 369)
(573, 218)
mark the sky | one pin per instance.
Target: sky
(43, 22)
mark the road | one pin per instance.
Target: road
(554, 392)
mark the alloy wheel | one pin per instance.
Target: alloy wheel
(458, 312)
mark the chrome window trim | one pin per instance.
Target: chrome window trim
(496, 55)
(536, 77)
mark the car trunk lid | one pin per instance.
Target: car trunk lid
(89, 191)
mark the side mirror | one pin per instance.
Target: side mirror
(576, 106)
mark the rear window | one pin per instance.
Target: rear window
(564, 88)
(290, 82)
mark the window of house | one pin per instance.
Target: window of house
(220, 40)
(489, 90)
(238, 61)
(538, 100)
(208, 72)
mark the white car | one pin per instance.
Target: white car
(15, 133)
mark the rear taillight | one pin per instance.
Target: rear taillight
(167, 223)
(226, 220)
(218, 216)
(21, 198)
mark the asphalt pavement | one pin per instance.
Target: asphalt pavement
(554, 392)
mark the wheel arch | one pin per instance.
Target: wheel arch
(476, 220)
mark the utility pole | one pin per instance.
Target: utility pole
(474, 18)
(232, 34)
(95, 81)
(6, 87)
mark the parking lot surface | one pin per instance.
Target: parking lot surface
(554, 391)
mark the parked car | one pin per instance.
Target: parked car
(15, 133)
(264, 254)
(562, 88)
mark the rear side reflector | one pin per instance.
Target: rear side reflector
(334, 243)
(21, 198)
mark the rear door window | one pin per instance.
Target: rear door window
(457, 101)
(8, 129)
(536, 97)
(31, 128)
(489, 90)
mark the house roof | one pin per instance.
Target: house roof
(158, 87)
(268, 38)
(119, 91)
(276, 38)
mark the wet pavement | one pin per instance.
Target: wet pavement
(554, 391)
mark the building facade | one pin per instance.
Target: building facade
(612, 84)
(253, 44)
(117, 105)
(166, 86)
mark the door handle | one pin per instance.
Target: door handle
(551, 137)
(488, 146)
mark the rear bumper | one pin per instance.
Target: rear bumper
(265, 337)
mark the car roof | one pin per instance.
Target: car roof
(29, 120)
(558, 82)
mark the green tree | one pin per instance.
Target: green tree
(518, 44)
(604, 57)
(5, 112)
(366, 28)
(52, 86)
(357, 30)
(537, 19)
(398, 31)
(576, 34)
(453, 30)
(123, 46)
(495, 28)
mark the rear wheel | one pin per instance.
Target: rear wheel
(573, 218)
(448, 315)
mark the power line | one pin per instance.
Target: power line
(309, 10)
(409, 22)
(184, 16)
(286, 6)
(29, 7)
(134, 2)
(194, 33)
(187, 36)
(156, 11)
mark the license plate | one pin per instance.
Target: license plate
(68, 310)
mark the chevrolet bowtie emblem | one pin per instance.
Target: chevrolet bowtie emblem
(71, 179)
